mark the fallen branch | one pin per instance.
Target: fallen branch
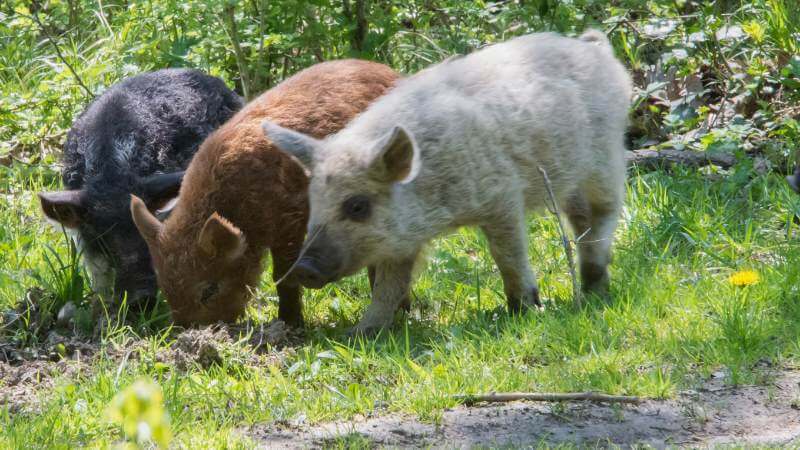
(655, 159)
(469, 399)
(576, 292)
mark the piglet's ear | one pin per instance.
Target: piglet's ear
(65, 207)
(158, 190)
(298, 145)
(219, 238)
(147, 224)
(396, 157)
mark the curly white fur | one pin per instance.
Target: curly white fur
(480, 127)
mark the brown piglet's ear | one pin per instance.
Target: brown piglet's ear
(65, 207)
(220, 238)
(147, 224)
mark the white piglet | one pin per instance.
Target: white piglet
(461, 144)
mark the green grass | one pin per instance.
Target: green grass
(672, 319)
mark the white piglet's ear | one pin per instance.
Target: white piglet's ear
(396, 158)
(298, 145)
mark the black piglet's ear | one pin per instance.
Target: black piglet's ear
(157, 190)
(65, 207)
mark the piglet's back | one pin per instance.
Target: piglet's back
(241, 195)
(302, 103)
(318, 101)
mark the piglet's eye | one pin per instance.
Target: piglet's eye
(357, 208)
(208, 292)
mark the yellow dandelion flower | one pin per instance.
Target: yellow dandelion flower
(744, 278)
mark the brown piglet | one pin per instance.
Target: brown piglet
(241, 196)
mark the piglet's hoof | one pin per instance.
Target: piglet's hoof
(529, 302)
(533, 307)
(533, 301)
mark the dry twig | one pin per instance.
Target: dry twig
(300, 255)
(576, 292)
(499, 397)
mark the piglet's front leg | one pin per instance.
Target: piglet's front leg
(391, 289)
(508, 243)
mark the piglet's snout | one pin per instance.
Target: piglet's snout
(318, 266)
(308, 273)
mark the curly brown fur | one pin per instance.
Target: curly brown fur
(258, 193)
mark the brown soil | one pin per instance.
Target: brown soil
(211, 345)
(713, 415)
(27, 370)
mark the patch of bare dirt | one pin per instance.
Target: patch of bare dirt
(38, 344)
(27, 369)
(209, 346)
(712, 415)
(204, 347)
(275, 334)
(19, 385)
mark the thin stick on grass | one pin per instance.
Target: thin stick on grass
(502, 397)
(576, 292)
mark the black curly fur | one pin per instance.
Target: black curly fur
(148, 124)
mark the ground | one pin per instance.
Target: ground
(678, 329)
(714, 414)
(703, 315)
